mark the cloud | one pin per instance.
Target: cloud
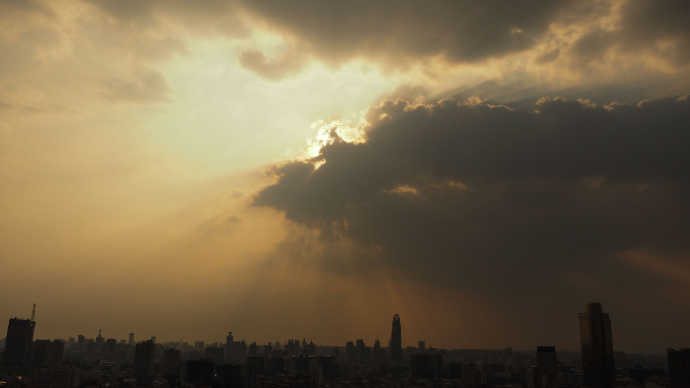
(403, 31)
(497, 201)
(657, 30)
(276, 69)
(145, 87)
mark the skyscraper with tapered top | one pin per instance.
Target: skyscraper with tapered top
(396, 340)
(597, 347)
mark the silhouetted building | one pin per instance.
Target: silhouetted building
(131, 339)
(252, 368)
(350, 352)
(426, 365)
(469, 372)
(144, 354)
(81, 343)
(300, 364)
(455, 370)
(544, 373)
(679, 368)
(65, 377)
(229, 376)
(276, 364)
(199, 370)
(20, 334)
(215, 354)
(228, 345)
(378, 354)
(46, 353)
(170, 366)
(421, 346)
(597, 347)
(396, 340)
(362, 353)
(110, 347)
(100, 342)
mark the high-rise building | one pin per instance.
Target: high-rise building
(378, 354)
(215, 354)
(100, 342)
(170, 367)
(20, 334)
(144, 354)
(230, 376)
(469, 372)
(679, 368)
(228, 345)
(454, 370)
(254, 366)
(47, 353)
(426, 365)
(199, 370)
(131, 339)
(360, 352)
(597, 347)
(110, 347)
(421, 346)
(396, 340)
(81, 343)
(350, 352)
(544, 373)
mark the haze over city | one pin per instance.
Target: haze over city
(310, 169)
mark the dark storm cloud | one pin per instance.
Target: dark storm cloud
(394, 32)
(398, 34)
(655, 28)
(478, 195)
(461, 31)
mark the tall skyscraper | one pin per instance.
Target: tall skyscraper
(396, 340)
(143, 358)
(544, 373)
(20, 334)
(228, 345)
(131, 338)
(597, 347)
(679, 368)
(100, 342)
(81, 343)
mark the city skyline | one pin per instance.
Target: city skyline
(310, 169)
(132, 337)
(235, 364)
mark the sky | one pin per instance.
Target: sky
(308, 169)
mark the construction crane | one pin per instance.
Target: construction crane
(33, 314)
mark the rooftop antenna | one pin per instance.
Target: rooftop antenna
(33, 314)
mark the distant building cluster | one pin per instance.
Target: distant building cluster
(110, 363)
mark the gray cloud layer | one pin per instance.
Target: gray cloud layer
(399, 33)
